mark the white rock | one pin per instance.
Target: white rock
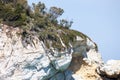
(111, 69)
(76, 77)
(78, 38)
(28, 63)
(94, 56)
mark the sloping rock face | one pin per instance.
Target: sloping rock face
(30, 59)
(86, 67)
(32, 62)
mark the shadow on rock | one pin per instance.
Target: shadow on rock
(76, 63)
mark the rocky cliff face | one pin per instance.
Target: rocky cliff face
(21, 60)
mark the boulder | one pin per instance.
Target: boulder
(111, 69)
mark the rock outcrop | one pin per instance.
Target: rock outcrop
(31, 60)
(110, 70)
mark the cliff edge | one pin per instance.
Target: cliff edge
(30, 58)
(36, 45)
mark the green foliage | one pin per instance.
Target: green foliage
(18, 12)
(55, 12)
(44, 23)
(11, 14)
(65, 23)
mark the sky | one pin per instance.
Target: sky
(99, 19)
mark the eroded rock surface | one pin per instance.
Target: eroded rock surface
(33, 62)
(111, 69)
(30, 59)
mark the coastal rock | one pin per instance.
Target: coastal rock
(30, 59)
(85, 68)
(33, 62)
(111, 69)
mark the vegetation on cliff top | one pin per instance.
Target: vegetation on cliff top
(18, 13)
(39, 21)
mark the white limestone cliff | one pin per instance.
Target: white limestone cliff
(21, 60)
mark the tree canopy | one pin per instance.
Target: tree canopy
(18, 13)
